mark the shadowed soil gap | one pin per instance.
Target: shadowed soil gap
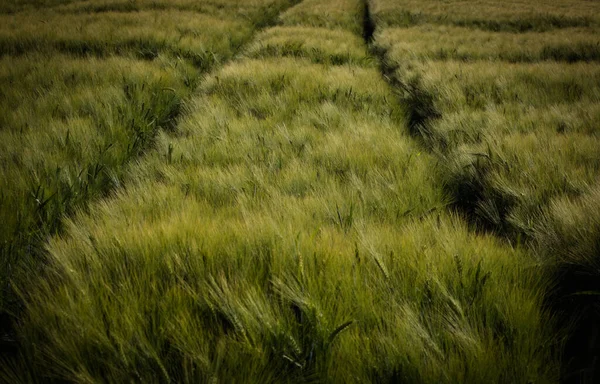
(368, 24)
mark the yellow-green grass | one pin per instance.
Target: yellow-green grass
(497, 124)
(457, 85)
(447, 42)
(204, 40)
(69, 121)
(510, 15)
(513, 118)
(515, 176)
(171, 287)
(288, 230)
(275, 247)
(485, 92)
(332, 14)
(261, 12)
(520, 157)
(68, 128)
(13, 6)
(470, 126)
(338, 128)
(513, 135)
(320, 45)
(62, 117)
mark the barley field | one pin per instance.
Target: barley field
(286, 191)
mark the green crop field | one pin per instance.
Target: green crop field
(287, 191)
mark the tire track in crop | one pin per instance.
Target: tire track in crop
(467, 194)
(421, 113)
